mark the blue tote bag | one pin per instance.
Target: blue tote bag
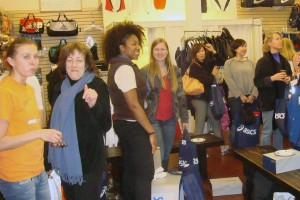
(293, 108)
(281, 113)
(216, 102)
(246, 135)
(190, 181)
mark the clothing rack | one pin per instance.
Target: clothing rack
(281, 30)
(200, 32)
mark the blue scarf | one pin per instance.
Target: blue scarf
(66, 161)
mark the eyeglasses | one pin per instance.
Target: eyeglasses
(62, 144)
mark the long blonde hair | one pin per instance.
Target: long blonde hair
(268, 38)
(154, 68)
(288, 49)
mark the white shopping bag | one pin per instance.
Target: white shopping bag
(55, 186)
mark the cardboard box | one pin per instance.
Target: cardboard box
(166, 188)
(226, 186)
(279, 164)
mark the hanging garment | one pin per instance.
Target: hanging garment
(110, 7)
(159, 4)
(203, 6)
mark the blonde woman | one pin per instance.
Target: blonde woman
(168, 102)
(288, 51)
(272, 73)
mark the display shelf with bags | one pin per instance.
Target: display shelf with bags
(62, 26)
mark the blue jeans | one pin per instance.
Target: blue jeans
(165, 134)
(35, 188)
(267, 130)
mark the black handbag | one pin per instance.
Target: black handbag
(294, 18)
(62, 26)
(53, 53)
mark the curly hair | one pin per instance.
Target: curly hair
(69, 49)
(235, 44)
(118, 35)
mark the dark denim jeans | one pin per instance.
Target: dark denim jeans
(165, 134)
(138, 161)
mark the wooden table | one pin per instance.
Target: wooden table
(252, 161)
(210, 141)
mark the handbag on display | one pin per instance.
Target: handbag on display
(53, 53)
(191, 86)
(284, 3)
(191, 180)
(62, 26)
(216, 102)
(36, 37)
(266, 3)
(281, 114)
(31, 25)
(294, 18)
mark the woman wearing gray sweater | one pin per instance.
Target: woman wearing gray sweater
(239, 75)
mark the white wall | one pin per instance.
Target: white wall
(144, 11)
(14, 5)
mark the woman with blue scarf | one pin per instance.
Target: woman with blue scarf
(81, 112)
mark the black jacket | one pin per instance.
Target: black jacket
(92, 124)
(202, 72)
(269, 91)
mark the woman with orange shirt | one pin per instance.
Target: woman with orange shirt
(22, 174)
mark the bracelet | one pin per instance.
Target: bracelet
(152, 133)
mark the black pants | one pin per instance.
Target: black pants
(138, 162)
(90, 188)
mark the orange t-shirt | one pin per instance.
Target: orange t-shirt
(19, 107)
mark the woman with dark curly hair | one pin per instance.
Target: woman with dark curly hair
(81, 111)
(127, 89)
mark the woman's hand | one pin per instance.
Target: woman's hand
(184, 126)
(153, 142)
(90, 96)
(215, 71)
(210, 48)
(51, 135)
(244, 99)
(287, 80)
(280, 76)
(250, 99)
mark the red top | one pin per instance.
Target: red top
(164, 107)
